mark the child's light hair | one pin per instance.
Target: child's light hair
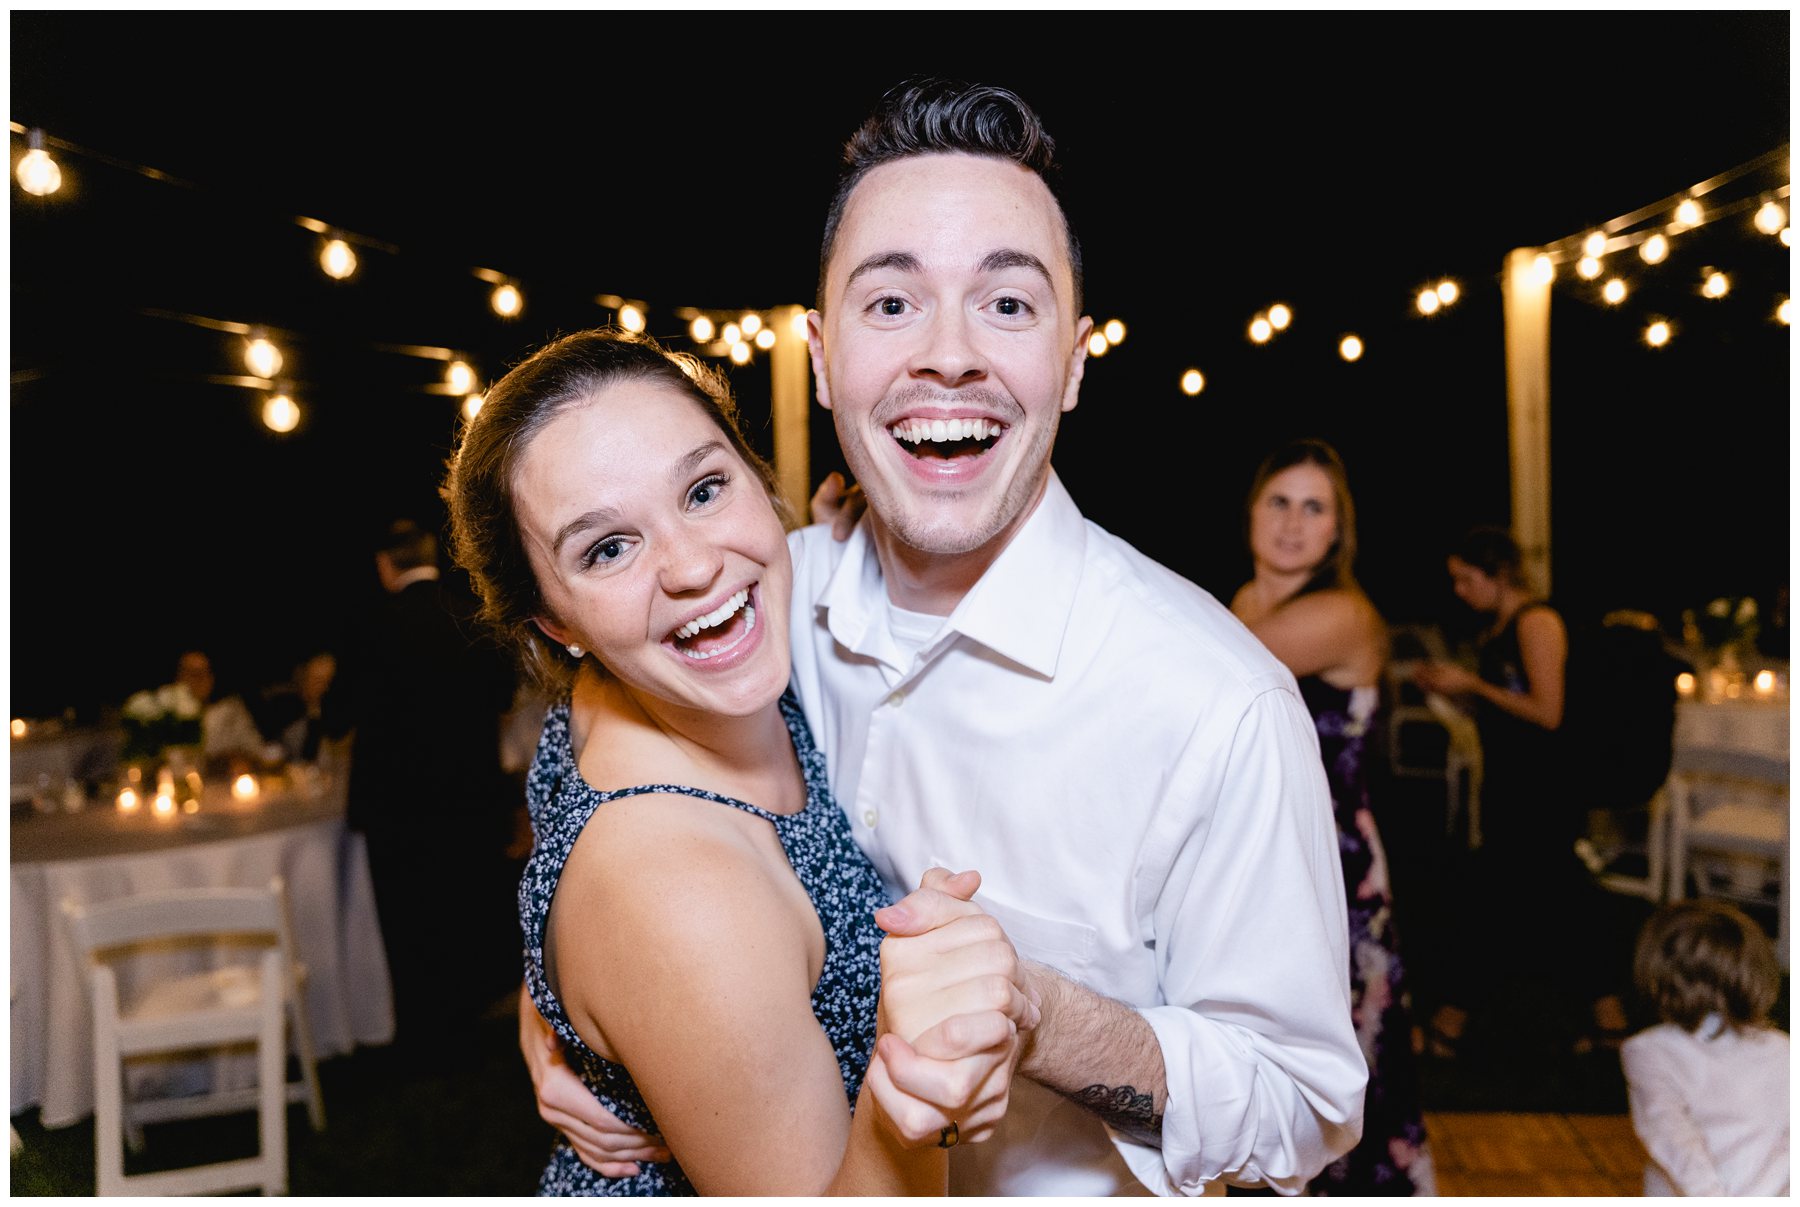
(1701, 957)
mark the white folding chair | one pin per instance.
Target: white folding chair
(1731, 803)
(226, 1007)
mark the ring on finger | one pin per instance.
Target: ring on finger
(948, 1137)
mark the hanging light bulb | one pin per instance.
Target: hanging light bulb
(731, 333)
(1587, 268)
(1280, 316)
(262, 358)
(1688, 212)
(1543, 270)
(751, 323)
(701, 329)
(459, 377)
(1781, 312)
(1114, 331)
(765, 339)
(1260, 330)
(337, 259)
(1594, 245)
(631, 318)
(471, 406)
(507, 301)
(1654, 250)
(281, 414)
(1097, 345)
(1192, 382)
(1429, 301)
(1613, 291)
(799, 321)
(37, 173)
(1717, 285)
(1350, 348)
(1656, 334)
(1786, 237)
(1448, 292)
(740, 353)
(1770, 218)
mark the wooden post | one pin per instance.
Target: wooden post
(1525, 290)
(790, 372)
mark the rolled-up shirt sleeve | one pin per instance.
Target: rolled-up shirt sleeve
(1264, 1073)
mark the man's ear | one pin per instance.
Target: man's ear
(1077, 363)
(815, 347)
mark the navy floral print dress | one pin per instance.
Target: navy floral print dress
(1392, 1157)
(837, 876)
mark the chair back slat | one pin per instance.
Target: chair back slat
(176, 913)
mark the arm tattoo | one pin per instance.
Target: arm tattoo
(1123, 1109)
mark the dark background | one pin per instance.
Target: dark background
(1216, 163)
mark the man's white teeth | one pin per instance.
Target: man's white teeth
(717, 616)
(918, 431)
(749, 626)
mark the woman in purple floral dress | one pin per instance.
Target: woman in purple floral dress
(1304, 604)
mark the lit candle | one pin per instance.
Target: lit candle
(190, 806)
(1765, 682)
(244, 787)
(128, 801)
(163, 806)
(18, 727)
(1684, 683)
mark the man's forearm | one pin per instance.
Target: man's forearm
(1097, 1052)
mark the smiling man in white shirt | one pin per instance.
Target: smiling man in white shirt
(999, 684)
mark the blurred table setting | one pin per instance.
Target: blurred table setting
(85, 831)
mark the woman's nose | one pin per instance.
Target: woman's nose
(690, 562)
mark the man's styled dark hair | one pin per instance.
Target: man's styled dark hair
(923, 115)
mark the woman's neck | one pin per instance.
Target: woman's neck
(1273, 587)
(1512, 599)
(712, 746)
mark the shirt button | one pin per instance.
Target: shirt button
(869, 818)
(896, 698)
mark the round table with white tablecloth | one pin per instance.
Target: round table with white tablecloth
(101, 853)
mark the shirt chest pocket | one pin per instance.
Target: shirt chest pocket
(1065, 946)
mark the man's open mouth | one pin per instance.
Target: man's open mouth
(946, 438)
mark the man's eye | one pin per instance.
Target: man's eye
(892, 307)
(1011, 307)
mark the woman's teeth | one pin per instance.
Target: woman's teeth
(716, 617)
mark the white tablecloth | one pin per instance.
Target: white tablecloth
(1744, 726)
(98, 855)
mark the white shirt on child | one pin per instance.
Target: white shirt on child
(1711, 1107)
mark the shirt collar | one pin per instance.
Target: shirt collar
(1019, 608)
(418, 574)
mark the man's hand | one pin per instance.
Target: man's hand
(840, 506)
(604, 1144)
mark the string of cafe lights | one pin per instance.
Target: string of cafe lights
(736, 335)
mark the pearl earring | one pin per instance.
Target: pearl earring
(575, 651)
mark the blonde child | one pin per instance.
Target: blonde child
(1709, 1084)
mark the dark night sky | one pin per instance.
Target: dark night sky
(1216, 163)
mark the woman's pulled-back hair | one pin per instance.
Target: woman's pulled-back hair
(484, 523)
(924, 115)
(1492, 551)
(1701, 957)
(1338, 568)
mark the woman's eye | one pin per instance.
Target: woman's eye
(609, 550)
(707, 491)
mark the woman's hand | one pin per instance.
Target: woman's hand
(1445, 678)
(604, 1144)
(954, 998)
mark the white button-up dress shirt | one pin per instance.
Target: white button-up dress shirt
(1711, 1107)
(1140, 787)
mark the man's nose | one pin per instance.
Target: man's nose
(949, 353)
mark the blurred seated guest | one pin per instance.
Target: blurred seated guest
(1529, 818)
(295, 714)
(1709, 1082)
(1304, 604)
(184, 713)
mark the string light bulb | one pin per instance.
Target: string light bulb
(1543, 270)
(1350, 348)
(1770, 218)
(799, 322)
(731, 333)
(1448, 292)
(1613, 291)
(37, 173)
(1786, 237)
(740, 353)
(507, 301)
(1688, 212)
(459, 377)
(281, 414)
(1657, 334)
(262, 357)
(1428, 301)
(1114, 332)
(1280, 316)
(471, 406)
(701, 329)
(765, 339)
(1781, 312)
(1717, 285)
(1587, 268)
(1655, 249)
(1097, 345)
(1260, 330)
(336, 258)
(1594, 245)
(751, 324)
(631, 318)
(1192, 382)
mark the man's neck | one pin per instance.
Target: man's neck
(934, 583)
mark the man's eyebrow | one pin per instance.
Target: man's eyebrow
(899, 261)
(1009, 257)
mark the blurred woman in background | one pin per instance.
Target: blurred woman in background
(1304, 604)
